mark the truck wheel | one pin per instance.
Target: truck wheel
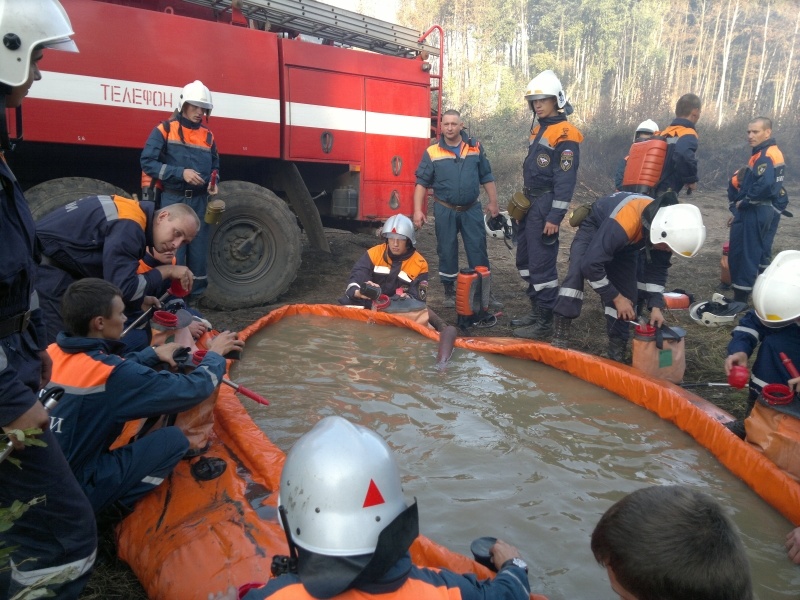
(254, 252)
(50, 195)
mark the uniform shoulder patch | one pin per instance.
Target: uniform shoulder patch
(542, 160)
(567, 159)
(760, 169)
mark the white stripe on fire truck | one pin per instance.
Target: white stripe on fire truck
(68, 87)
(359, 121)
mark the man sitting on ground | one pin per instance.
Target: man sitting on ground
(105, 390)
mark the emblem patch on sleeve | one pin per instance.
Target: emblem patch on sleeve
(543, 160)
(567, 157)
(423, 291)
(761, 168)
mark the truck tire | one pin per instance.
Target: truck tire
(50, 195)
(254, 252)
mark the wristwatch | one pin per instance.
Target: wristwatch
(517, 562)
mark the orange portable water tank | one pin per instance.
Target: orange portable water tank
(468, 293)
(645, 166)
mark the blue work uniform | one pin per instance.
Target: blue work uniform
(605, 251)
(96, 236)
(56, 536)
(682, 138)
(103, 392)
(187, 145)
(407, 272)
(758, 200)
(550, 173)
(405, 581)
(456, 176)
(768, 367)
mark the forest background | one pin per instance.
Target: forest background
(620, 62)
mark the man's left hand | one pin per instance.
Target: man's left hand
(550, 229)
(150, 301)
(492, 209)
(656, 317)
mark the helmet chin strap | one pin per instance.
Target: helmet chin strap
(8, 143)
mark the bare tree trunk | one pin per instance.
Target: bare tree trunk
(788, 72)
(730, 26)
(761, 73)
(744, 75)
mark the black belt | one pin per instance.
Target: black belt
(532, 192)
(456, 207)
(16, 324)
(187, 193)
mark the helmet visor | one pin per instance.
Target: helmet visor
(66, 44)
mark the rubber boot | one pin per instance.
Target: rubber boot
(449, 295)
(740, 295)
(617, 349)
(542, 329)
(529, 319)
(494, 303)
(561, 332)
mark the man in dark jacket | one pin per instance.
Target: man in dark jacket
(105, 390)
(53, 543)
(456, 167)
(757, 205)
(106, 237)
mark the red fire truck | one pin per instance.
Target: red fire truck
(320, 115)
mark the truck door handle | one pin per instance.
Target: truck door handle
(326, 139)
(397, 165)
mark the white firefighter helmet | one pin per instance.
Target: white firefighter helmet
(717, 312)
(776, 294)
(399, 225)
(498, 227)
(26, 25)
(680, 226)
(196, 94)
(649, 126)
(340, 487)
(545, 85)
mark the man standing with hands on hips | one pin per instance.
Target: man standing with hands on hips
(456, 167)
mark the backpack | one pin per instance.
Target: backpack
(649, 164)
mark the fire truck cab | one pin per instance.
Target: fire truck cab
(320, 117)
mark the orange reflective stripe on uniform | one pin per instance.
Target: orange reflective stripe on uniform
(555, 134)
(629, 216)
(775, 155)
(676, 131)
(130, 209)
(200, 138)
(78, 373)
(436, 152)
(413, 266)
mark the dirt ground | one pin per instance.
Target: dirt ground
(322, 279)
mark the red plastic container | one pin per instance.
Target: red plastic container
(739, 376)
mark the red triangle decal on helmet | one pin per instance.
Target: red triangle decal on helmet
(394, 229)
(374, 496)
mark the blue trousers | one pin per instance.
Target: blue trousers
(469, 223)
(195, 254)
(126, 474)
(536, 261)
(749, 236)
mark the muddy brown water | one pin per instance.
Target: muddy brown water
(498, 446)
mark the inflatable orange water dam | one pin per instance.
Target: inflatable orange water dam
(190, 536)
